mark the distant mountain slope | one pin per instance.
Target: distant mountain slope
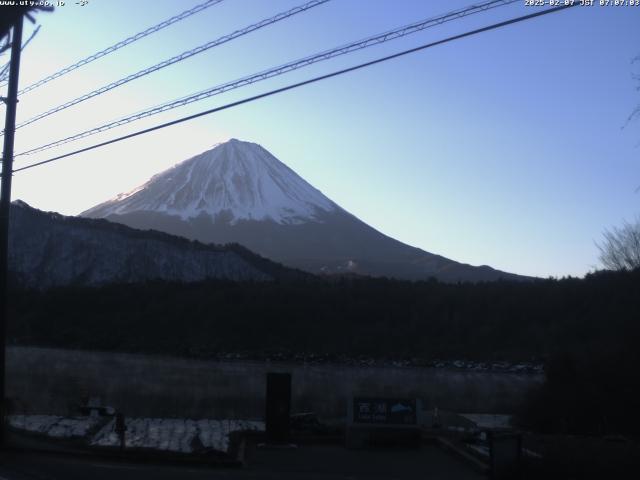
(239, 192)
(47, 250)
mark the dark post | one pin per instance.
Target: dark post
(5, 206)
(278, 408)
(505, 455)
(121, 429)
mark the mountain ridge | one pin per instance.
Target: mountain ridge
(47, 249)
(292, 223)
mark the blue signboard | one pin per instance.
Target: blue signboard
(384, 411)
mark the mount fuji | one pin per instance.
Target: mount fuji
(239, 192)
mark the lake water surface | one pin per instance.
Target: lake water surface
(54, 381)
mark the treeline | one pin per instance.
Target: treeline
(587, 331)
(354, 316)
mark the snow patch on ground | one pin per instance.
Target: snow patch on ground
(168, 434)
(54, 426)
(175, 434)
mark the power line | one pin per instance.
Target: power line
(282, 69)
(303, 83)
(122, 43)
(178, 58)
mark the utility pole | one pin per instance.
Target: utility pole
(5, 207)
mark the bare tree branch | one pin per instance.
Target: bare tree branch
(620, 248)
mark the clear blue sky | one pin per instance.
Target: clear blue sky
(506, 149)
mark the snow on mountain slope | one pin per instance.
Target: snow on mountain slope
(240, 193)
(239, 179)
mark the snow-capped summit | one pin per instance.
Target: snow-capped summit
(240, 180)
(240, 193)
